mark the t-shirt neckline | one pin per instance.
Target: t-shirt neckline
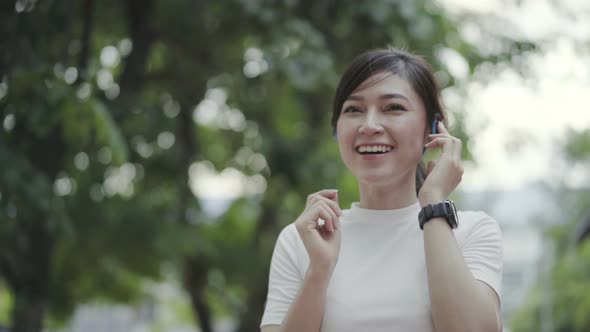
(358, 214)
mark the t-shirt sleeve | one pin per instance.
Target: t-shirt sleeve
(483, 252)
(285, 277)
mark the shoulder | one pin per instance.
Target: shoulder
(289, 253)
(289, 233)
(477, 224)
(289, 238)
(470, 219)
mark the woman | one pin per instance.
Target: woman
(396, 260)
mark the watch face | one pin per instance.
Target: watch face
(452, 212)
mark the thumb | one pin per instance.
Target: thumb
(431, 165)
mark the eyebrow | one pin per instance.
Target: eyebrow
(385, 96)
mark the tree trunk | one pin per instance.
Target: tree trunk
(195, 268)
(88, 14)
(30, 283)
(257, 287)
(28, 312)
(195, 282)
(140, 31)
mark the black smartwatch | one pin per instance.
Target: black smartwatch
(445, 209)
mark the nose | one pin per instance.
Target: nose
(371, 124)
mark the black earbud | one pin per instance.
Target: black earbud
(433, 127)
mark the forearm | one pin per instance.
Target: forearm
(457, 298)
(307, 310)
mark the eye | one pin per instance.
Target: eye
(351, 109)
(395, 107)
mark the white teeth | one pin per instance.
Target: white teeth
(373, 148)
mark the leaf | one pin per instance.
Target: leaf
(109, 134)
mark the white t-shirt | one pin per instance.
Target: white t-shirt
(380, 282)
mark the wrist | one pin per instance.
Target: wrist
(428, 198)
(318, 275)
(441, 211)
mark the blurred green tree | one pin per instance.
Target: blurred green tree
(110, 108)
(561, 299)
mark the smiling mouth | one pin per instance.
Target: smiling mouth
(373, 149)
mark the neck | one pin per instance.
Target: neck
(391, 195)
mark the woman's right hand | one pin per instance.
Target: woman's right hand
(322, 242)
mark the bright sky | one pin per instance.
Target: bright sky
(529, 113)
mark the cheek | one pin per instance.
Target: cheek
(412, 133)
(344, 144)
(344, 139)
(343, 131)
(339, 125)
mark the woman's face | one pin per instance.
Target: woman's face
(381, 129)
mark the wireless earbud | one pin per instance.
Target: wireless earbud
(433, 127)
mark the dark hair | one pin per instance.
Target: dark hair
(413, 68)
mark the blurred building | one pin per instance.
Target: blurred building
(522, 215)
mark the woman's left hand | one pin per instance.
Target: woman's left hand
(443, 175)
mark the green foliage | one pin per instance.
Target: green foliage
(6, 304)
(565, 288)
(577, 145)
(108, 134)
(570, 295)
(100, 135)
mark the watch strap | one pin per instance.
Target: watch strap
(445, 209)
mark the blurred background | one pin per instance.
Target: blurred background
(151, 151)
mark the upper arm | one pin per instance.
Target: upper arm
(284, 278)
(483, 253)
(492, 296)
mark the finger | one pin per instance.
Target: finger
(334, 216)
(438, 135)
(328, 193)
(456, 145)
(439, 142)
(333, 205)
(430, 166)
(335, 199)
(441, 128)
(458, 149)
(328, 215)
(310, 222)
(306, 222)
